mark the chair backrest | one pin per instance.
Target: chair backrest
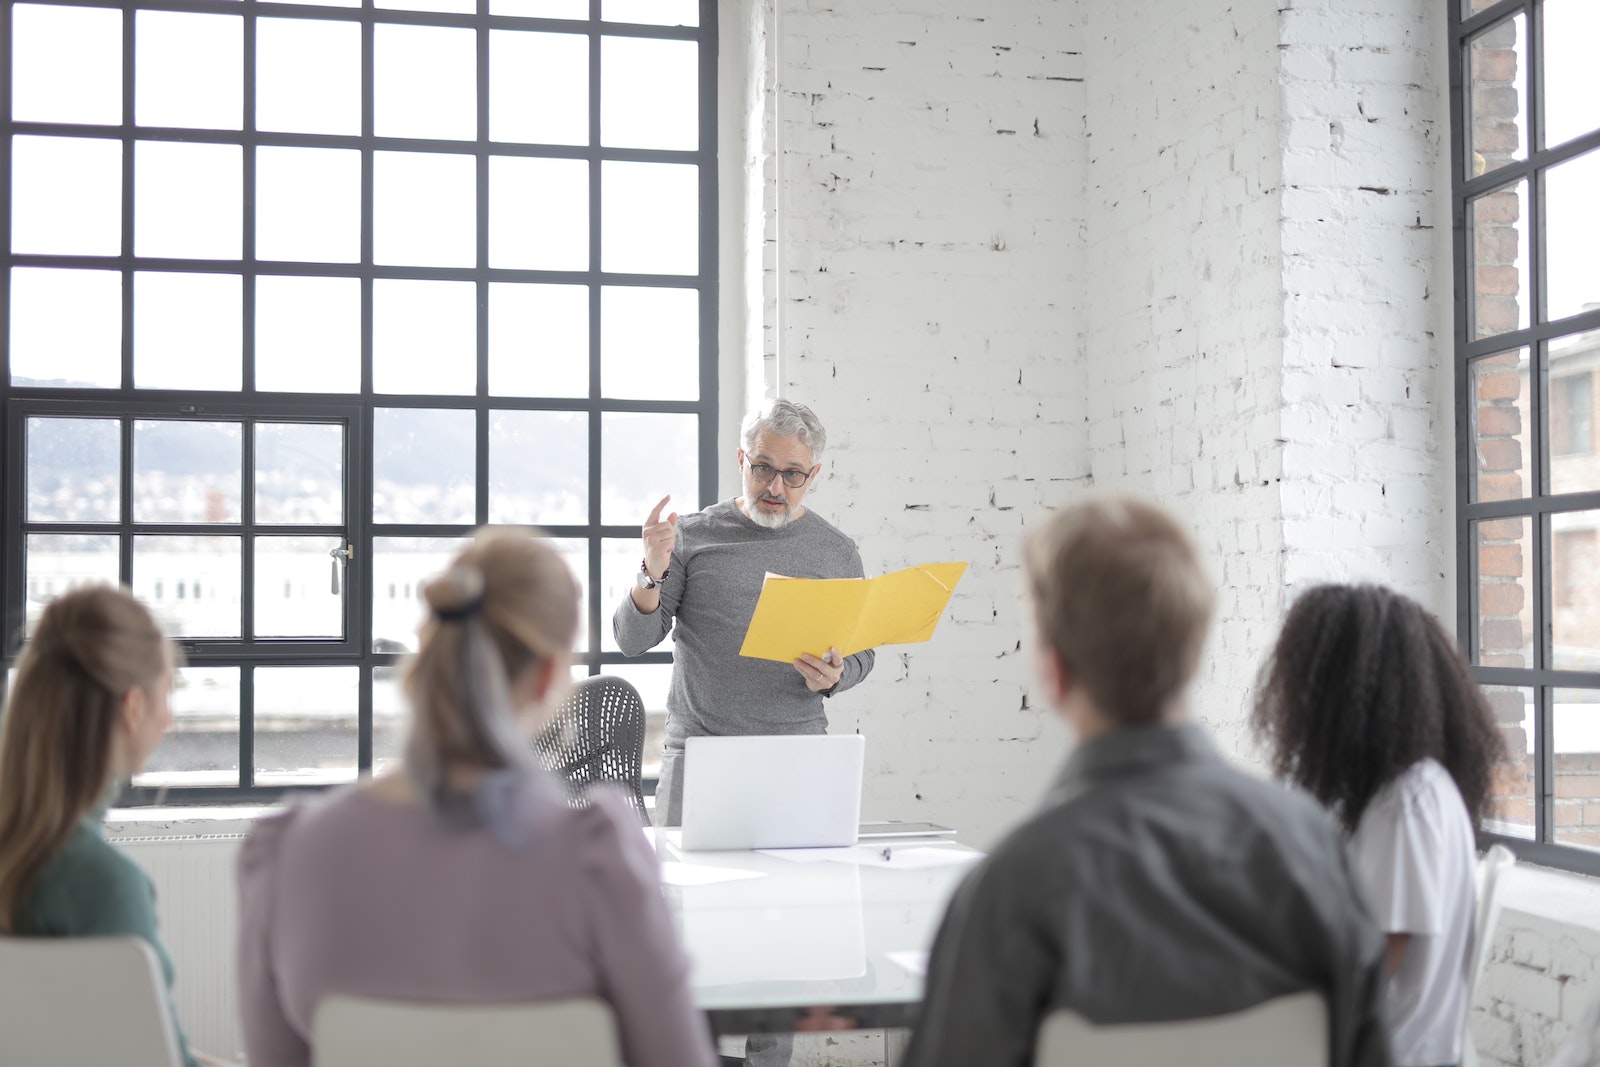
(76, 1000)
(1289, 1031)
(597, 735)
(1490, 876)
(358, 1031)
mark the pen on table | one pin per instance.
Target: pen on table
(888, 854)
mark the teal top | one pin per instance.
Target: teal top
(92, 890)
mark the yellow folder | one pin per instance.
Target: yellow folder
(796, 615)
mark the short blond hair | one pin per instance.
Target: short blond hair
(1120, 595)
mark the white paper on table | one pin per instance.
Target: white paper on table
(810, 855)
(915, 962)
(909, 859)
(913, 859)
(675, 873)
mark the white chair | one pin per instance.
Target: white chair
(358, 1031)
(1289, 1031)
(66, 1001)
(1491, 880)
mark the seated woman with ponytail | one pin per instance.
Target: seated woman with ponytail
(467, 877)
(88, 706)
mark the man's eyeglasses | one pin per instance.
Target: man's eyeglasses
(764, 474)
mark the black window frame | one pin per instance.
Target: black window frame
(1540, 505)
(357, 409)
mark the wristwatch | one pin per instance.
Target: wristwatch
(647, 582)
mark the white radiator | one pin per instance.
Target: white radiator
(197, 905)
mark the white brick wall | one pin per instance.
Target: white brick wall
(929, 235)
(1185, 299)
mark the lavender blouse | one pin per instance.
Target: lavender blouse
(357, 894)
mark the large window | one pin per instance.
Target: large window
(297, 295)
(1526, 196)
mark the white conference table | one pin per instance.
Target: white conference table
(809, 945)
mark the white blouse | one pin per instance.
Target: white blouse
(1415, 850)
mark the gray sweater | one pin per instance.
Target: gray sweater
(712, 586)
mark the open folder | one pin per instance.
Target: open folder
(796, 615)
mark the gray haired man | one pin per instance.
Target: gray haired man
(704, 572)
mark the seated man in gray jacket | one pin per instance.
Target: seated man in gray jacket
(1155, 882)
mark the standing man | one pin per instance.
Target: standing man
(1156, 882)
(704, 572)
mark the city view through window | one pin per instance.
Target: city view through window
(299, 299)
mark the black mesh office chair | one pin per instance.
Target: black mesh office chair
(597, 735)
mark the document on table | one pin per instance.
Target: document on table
(675, 873)
(797, 615)
(908, 859)
(915, 962)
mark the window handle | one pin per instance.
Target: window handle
(341, 554)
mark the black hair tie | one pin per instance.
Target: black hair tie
(461, 612)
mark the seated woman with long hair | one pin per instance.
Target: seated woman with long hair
(467, 877)
(88, 706)
(1368, 705)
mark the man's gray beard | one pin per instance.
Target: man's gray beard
(771, 521)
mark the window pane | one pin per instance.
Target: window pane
(308, 76)
(202, 748)
(308, 204)
(66, 328)
(1499, 230)
(652, 681)
(541, 9)
(1572, 233)
(650, 343)
(424, 209)
(652, 12)
(190, 583)
(187, 200)
(1501, 435)
(186, 471)
(539, 467)
(619, 566)
(1511, 800)
(74, 470)
(186, 331)
(399, 567)
(424, 337)
(58, 562)
(389, 719)
(426, 82)
(650, 218)
(1575, 719)
(1575, 590)
(66, 196)
(576, 554)
(1505, 592)
(188, 70)
(308, 334)
(538, 213)
(66, 64)
(300, 473)
(538, 340)
(538, 87)
(424, 465)
(299, 587)
(1572, 85)
(1571, 414)
(459, 7)
(305, 725)
(649, 93)
(1496, 97)
(644, 457)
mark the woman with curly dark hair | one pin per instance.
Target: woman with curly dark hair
(1367, 704)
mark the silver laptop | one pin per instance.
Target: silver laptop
(772, 792)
